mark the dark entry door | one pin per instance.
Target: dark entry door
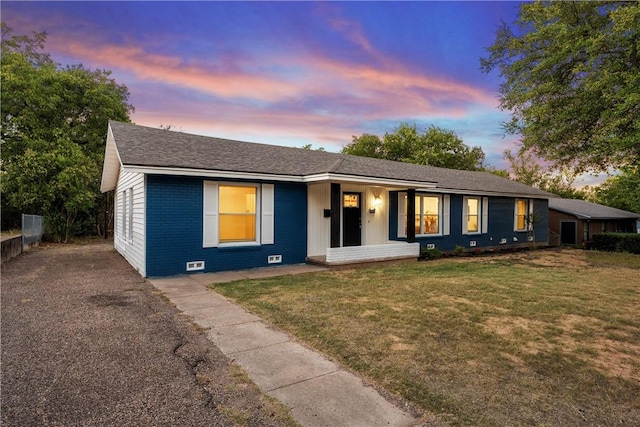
(351, 219)
(568, 233)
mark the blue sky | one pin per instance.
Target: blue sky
(289, 73)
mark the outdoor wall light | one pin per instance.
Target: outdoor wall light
(377, 202)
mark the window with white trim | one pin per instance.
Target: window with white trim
(523, 215)
(475, 212)
(431, 215)
(237, 214)
(237, 206)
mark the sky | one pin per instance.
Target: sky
(289, 73)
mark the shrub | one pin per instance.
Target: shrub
(459, 250)
(430, 253)
(617, 242)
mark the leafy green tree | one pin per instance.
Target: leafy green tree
(52, 131)
(528, 169)
(621, 191)
(571, 81)
(434, 146)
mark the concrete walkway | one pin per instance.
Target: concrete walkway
(318, 391)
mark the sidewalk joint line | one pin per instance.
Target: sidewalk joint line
(305, 380)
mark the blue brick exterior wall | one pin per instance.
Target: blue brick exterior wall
(174, 228)
(500, 226)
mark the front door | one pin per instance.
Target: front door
(568, 232)
(351, 219)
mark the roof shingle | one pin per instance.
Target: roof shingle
(145, 146)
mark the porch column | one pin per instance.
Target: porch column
(335, 215)
(411, 215)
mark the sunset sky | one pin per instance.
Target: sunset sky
(288, 73)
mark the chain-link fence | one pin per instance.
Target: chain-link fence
(32, 229)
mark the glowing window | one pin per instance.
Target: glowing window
(473, 210)
(237, 214)
(427, 220)
(521, 215)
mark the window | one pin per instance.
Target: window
(475, 212)
(237, 214)
(523, 215)
(427, 215)
(431, 215)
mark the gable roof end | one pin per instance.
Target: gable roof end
(112, 163)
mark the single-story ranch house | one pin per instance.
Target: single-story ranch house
(576, 221)
(186, 203)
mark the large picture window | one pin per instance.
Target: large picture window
(431, 215)
(427, 215)
(237, 214)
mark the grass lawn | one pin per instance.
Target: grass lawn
(549, 337)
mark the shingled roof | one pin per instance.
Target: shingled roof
(140, 146)
(587, 210)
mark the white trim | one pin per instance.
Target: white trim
(367, 180)
(485, 215)
(441, 190)
(465, 215)
(265, 231)
(446, 215)
(444, 206)
(402, 214)
(267, 208)
(252, 176)
(209, 214)
(515, 215)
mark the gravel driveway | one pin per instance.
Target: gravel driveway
(86, 341)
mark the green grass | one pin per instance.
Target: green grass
(537, 338)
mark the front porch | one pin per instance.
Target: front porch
(370, 253)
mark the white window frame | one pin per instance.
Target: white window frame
(483, 214)
(444, 208)
(528, 206)
(265, 230)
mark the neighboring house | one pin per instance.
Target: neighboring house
(576, 221)
(188, 203)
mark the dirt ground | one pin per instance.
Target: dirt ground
(87, 342)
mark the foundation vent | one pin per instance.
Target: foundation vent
(472, 243)
(274, 259)
(431, 246)
(195, 265)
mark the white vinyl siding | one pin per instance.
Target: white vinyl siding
(129, 227)
(265, 218)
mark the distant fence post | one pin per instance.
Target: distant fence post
(32, 230)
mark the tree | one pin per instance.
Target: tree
(434, 146)
(571, 80)
(528, 169)
(52, 131)
(621, 191)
